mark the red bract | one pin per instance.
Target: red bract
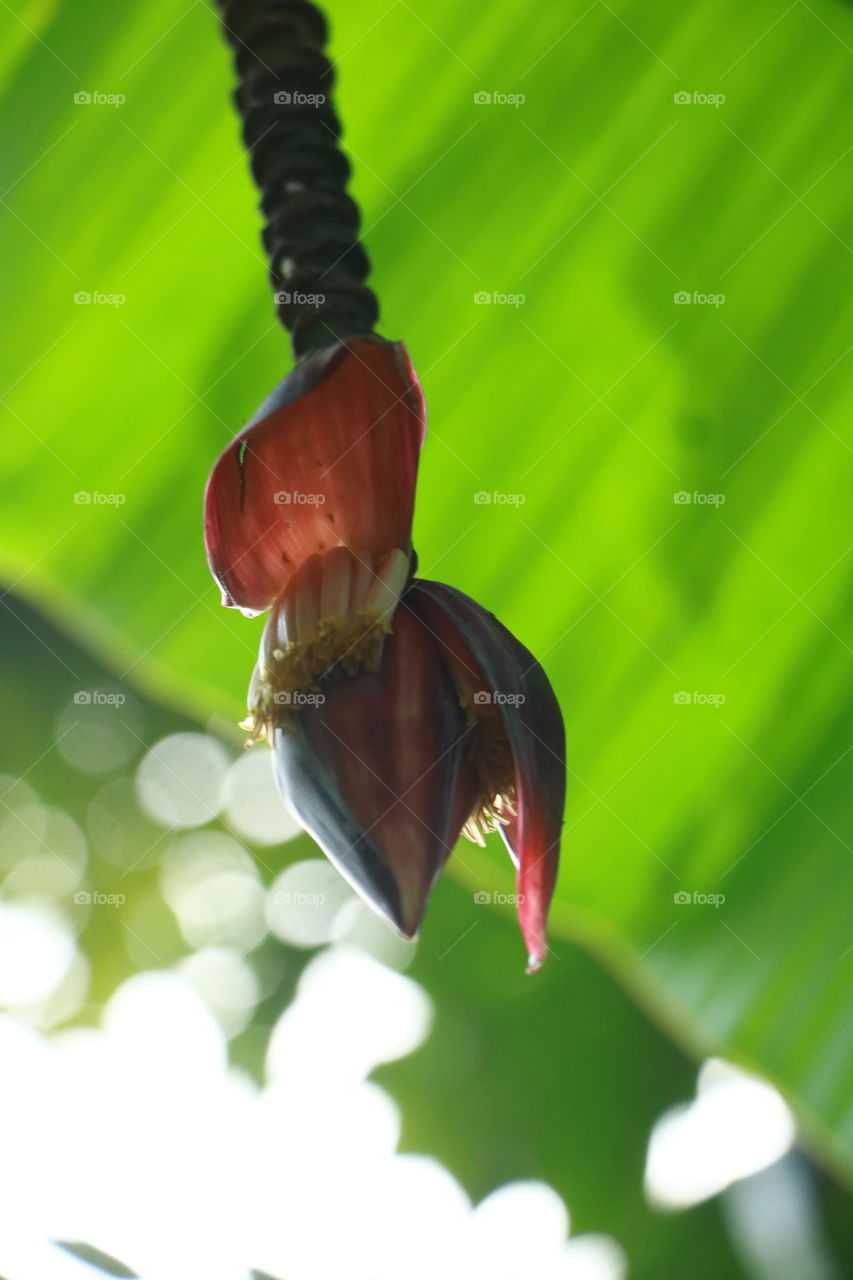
(456, 729)
(329, 459)
(371, 767)
(509, 700)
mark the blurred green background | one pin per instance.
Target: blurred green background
(638, 457)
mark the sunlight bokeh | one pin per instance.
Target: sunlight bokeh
(143, 1119)
(736, 1126)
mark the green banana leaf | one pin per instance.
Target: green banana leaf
(637, 454)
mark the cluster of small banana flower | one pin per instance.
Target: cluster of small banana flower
(382, 695)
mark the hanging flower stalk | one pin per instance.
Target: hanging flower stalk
(401, 714)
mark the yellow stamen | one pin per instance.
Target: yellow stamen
(340, 646)
(491, 755)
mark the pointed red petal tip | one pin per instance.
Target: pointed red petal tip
(537, 874)
(521, 735)
(330, 458)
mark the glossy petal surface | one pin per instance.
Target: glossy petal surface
(372, 774)
(514, 682)
(331, 457)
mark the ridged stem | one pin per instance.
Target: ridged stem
(292, 133)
